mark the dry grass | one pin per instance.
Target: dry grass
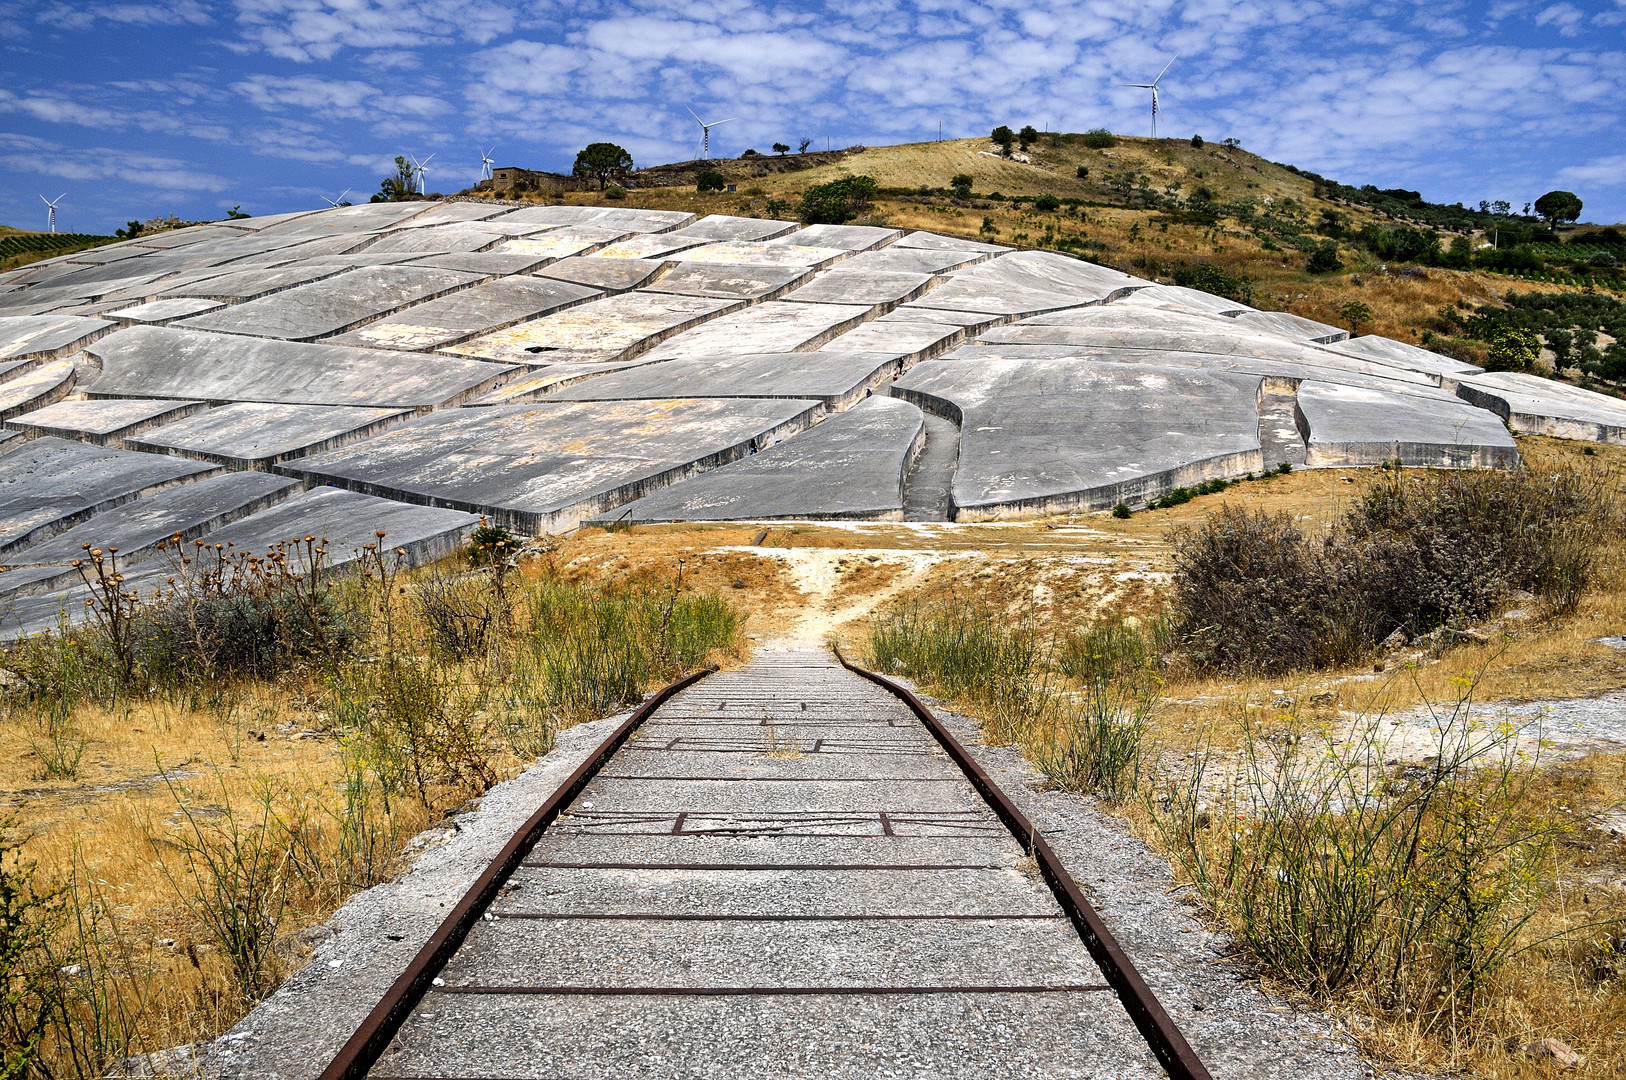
(297, 791)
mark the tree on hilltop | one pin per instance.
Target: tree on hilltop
(602, 161)
(400, 185)
(1003, 137)
(1027, 136)
(1559, 207)
(781, 148)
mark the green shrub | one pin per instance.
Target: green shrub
(961, 185)
(1196, 142)
(710, 180)
(839, 201)
(1252, 592)
(1513, 348)
(1100, 139)
(1343, 868)
(1047, 203)
(1120, 511)
(1324, 259)
(1082, 172)
(1213, 279)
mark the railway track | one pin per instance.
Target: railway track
(787, 870)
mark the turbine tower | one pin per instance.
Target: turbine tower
(705, 133)
(486, 163)
(335, 202)
(423, 173)
(1152, 86)
(50, 209)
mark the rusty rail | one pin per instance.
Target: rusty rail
(1156, 1026)
(363, 1049)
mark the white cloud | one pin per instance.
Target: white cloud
(306, 30)
(41, 157)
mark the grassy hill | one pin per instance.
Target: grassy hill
(1215, 216)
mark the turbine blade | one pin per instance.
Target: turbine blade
(730, 120)
(697, 119)
(1166, 68)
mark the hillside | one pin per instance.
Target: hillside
(19, 247)
(1214, 216)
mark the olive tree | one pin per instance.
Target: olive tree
(602, 161)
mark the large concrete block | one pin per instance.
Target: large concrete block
(839, 379)
(600, 272)
(901, 260)
(536, 383)
(334, 305)
(167, 362)
(28, 387)
(240, 286)
(254, 436)
(1051, 436)
(612, 329)
(346, 522)
(50, 484)
(1349, 426)
(936, 242)
(1028, 283)
(45, 337)
(344, 220)
(1398, 353)
(647, 246)
(849, 466)
(1293, 327)
(136, 527)
(163, 312)
(561, 243)
(442, 239)
(716, 227)
(734, 281)
(847, 284)
(486, 262)
(844, 237)
(1532, 405)
(488, 306)
(1179, 298)
(622, 219)
(101, 421)
(774, 326)
(910, 341)
(452, 213)
(761, 253)
(546, 467)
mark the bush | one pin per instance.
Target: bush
(961, 185)
(710, 180)
(1406, 885)
(1027, 136)
(1324, 259)
(1047, 203)
(839, 201)
(1213, 279)
(1082, 172)
(1196, 142)
(1512, 348)
(1100, 139)
(1002, 137)
(1252, 593)
(1120, 511)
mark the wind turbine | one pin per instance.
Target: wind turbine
(1152, 86)
(486, 163)
(335, 202)
(423, 173)
(705, 133)
(50, 209)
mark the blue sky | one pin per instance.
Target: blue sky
(190, 106)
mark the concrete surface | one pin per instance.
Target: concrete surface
(168, 362)
(1347, 426)
(164, 312)
(733, 281)
(849, 466)
(839, 379)
(615, 328)
(601, 272)
(48, 485)
(479, 309)
(28, 387)
(334, 305)
(1052, 436)
(256, 436)
(774, 326)
(843, 283)
(1533, 405)
(101, 421)
(48, 336)
(547, 467)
